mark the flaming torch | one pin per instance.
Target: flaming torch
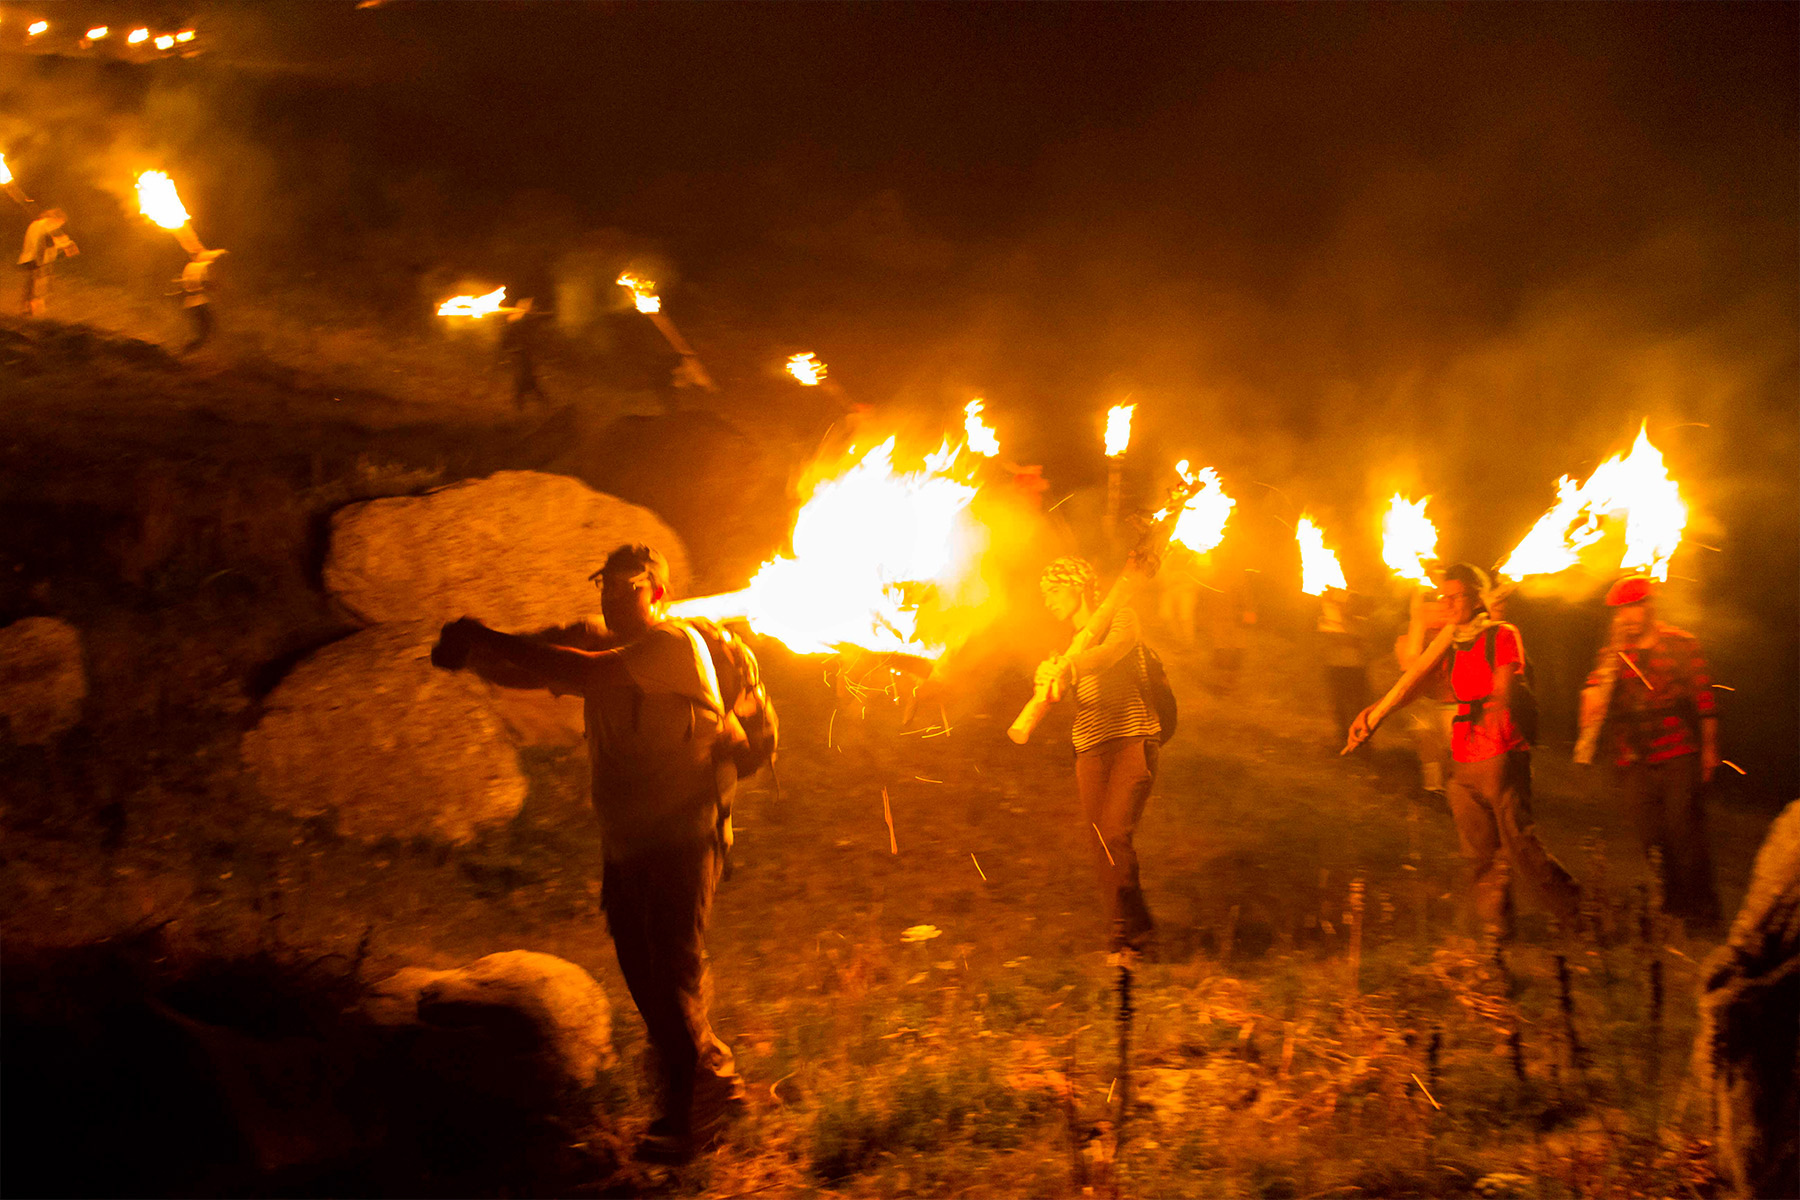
(1201, 525)
(980, 435)
(643, 294)
(1408, 539)
(1118, 437)
(158, 200)
(1636, 486)
(807, 369)
(1319, 568)
(474, 306)
(12, 189)
(868, 545)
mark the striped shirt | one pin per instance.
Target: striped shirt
(1656, 721)
(1111, 685)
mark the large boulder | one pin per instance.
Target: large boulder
(1748, 1049)
(366, 729)
(544, 1019)
(514, 549)
(43, 679)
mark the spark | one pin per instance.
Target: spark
(1103, 845)
(978, 869)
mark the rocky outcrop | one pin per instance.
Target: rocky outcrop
(1748, 1049)
(43, 679)
(514, 549)
(368, 731)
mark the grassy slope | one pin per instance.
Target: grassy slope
(979, 1061)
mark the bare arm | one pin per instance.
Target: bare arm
(1406, 689)
(1121, 637)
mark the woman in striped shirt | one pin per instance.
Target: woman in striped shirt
(1116, 737)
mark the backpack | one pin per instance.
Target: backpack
(1159, 693)
(752, 731)
(1524, 688)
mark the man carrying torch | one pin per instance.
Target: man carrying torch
(44, 240)
(1483, 663)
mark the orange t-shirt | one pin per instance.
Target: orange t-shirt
(1482, 729)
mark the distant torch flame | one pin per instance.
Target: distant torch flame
(1201, 525)
(1118, 429)
(1319, 567)
(97, 32)
(5, 171)
(1408, 539)
(867, 544)
(164, 42)
(473, 306)
(138, 36)
(1636, 486)
(158, 201)
(186, 35)
(981, 436)
(37, 27)
(643, 291)
(807, 369)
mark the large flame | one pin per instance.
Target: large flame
(473, 306)
(981, 436)
(1319, 567)
(1201, 525)
(158, 201)
(869, 544)
(5, 171)
(1408, 539)
(806, 368)
(1635, 486)
(643, 292)
(1118, 429)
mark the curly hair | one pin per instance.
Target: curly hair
(1070, 572)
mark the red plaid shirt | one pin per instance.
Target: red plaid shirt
(1656, 721)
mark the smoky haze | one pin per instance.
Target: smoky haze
(1332, 251)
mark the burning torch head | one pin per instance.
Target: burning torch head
(634, 588)
(1067, 584)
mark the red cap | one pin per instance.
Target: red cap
(1633, 589)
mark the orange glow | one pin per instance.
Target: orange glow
(97, 32)
(158, 201)
(806, 368)
(37, 27)
(1201, 525)
(869, 545)
(981, 436)
(1118, 429)
(1408, 539)
(643, 292)
(473, 306)
(1635, 486)
(1319, 567)
(138, 36)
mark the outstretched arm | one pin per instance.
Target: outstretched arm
(556, 668)
(1406, 689)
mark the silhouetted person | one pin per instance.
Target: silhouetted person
(195, 289)
(518, 352)
(675, 711)
(44, 240)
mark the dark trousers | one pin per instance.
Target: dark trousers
(200, 319)
(1667, 801)
(1490, 802)
(657, 904)
(1349, 687)
(1114, 779)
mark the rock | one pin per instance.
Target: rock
(1748, 1048)
(514, 549)
(530, 1005)
(368, 730)
(43, 679)
(536, 718)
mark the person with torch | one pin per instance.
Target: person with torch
(1650, 699)
(1483, 664)
(44, 240)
